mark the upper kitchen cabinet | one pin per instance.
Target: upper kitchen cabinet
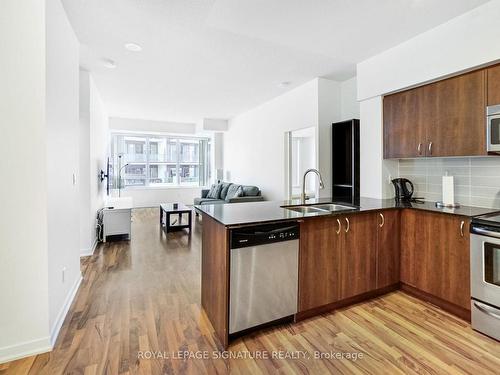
(403, 130)
(445, 118)
(456, 116)
(493, 82)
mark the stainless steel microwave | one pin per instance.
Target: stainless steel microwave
(493, 128)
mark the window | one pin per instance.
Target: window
(145, 160)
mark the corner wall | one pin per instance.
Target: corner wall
(24, 320)
(461, 44)
(62, 59)
(94, 150)
(254, 145)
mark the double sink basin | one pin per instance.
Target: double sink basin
(319, 208)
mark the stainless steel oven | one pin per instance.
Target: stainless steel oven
(485, 275)
(493, 128)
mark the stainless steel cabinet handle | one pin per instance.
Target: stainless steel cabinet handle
(340, 226)
(348, 225)
(430, 148)
(462, 224)
(419, 148)
(487, 310)
(383, 220)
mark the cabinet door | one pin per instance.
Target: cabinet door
(358, 259)
(445, 272)
(493, 82)
(413, 241)
(435, 255)
(403, 130)
(456, 115)
(319, 259)
(388, 248)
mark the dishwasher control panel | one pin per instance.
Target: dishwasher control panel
(264, 234)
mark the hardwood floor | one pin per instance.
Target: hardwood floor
(145, 296)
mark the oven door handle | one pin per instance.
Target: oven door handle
(486, 232)
(486, 309)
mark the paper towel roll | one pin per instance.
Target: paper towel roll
(448, 190)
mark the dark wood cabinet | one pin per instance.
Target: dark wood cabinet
(403, 127)
(435, 255)
(388, 248)
(346, 258)
(445, 118)
(413, 238)
(493, 84)
(337, 258)
(319, 259)
(456, 110)
(358, 262)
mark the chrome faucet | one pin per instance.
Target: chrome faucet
(303, 196)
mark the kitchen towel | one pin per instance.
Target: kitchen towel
(448, 190)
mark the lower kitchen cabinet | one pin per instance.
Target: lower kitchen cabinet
(435, 255)
(345, 256)
(337, 258)
(388, 248)
(319, 259)
(358, 263)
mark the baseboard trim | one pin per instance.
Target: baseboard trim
(88, 252)
(301, 315)
(453, 309)
(25, 349)
(54, 332)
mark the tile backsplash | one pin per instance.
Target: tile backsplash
(477, 180)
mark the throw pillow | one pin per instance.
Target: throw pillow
(225, 188)
(214, 191)
(234, 191)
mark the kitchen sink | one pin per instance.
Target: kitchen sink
(333, 207)
(305, 209)
(319, 208)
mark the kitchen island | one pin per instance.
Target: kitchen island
(370, 248)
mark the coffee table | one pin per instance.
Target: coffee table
(178, 209)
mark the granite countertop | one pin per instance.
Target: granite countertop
(270, 211)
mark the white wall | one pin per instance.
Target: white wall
(62, 163)
(94, 146)
(99, 151)
(462, 43)
(139, 125)
(86, 223)
(349, 106)
(375, 173)
(24, 321)
(254, 146)
(218, 148)
(329, 111)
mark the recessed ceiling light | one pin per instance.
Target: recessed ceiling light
(285, 84)
(108, 63)
(133, 47)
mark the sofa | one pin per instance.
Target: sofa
(246, 194)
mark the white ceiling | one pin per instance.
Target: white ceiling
(218, 58)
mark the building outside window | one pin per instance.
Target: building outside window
(160, 160)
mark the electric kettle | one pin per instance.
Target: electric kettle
(403, 188)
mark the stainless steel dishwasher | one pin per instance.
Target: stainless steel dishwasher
(263, 275)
